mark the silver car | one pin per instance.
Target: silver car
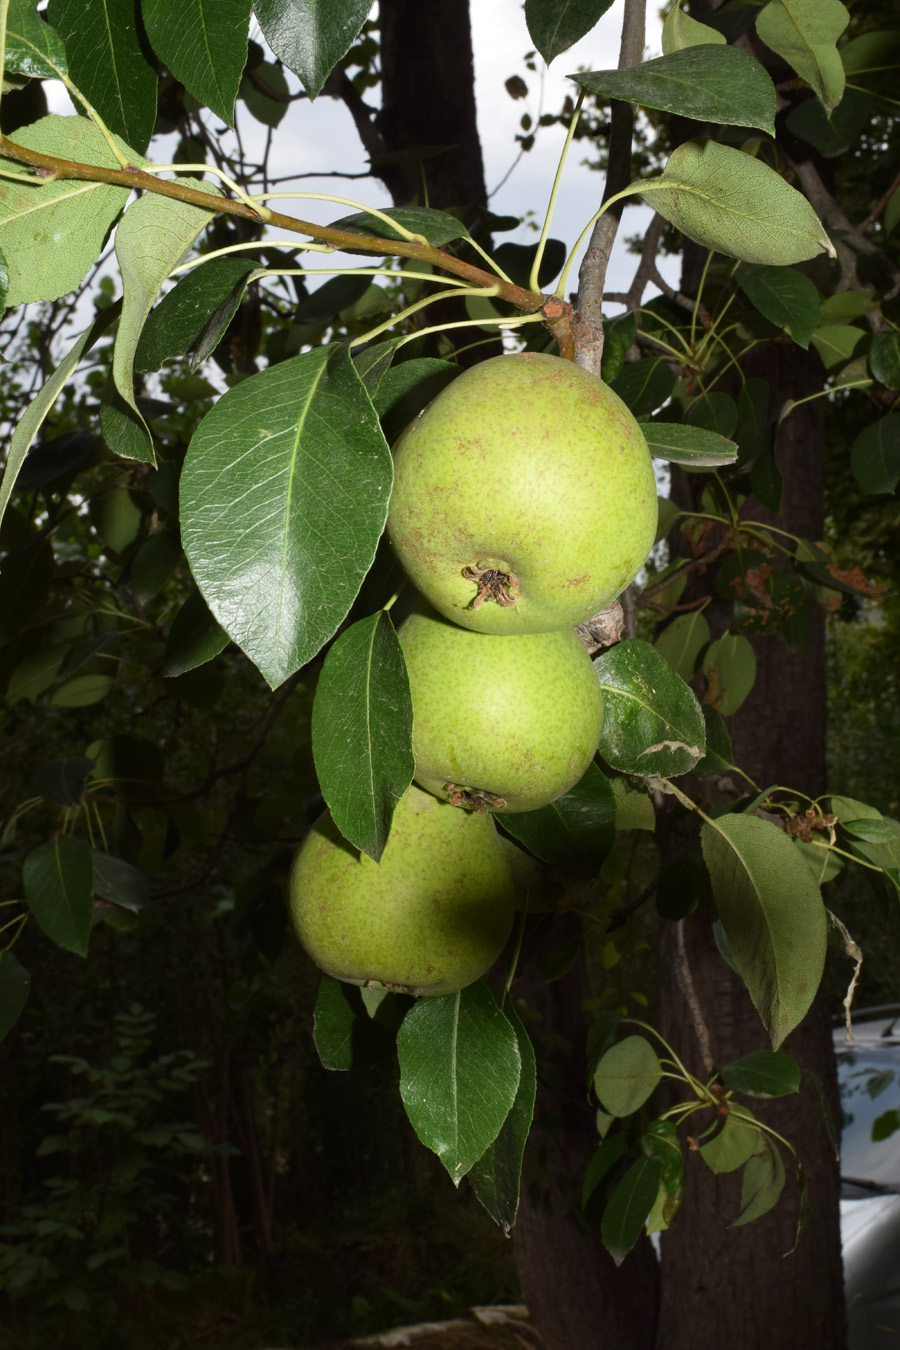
(869, 1074)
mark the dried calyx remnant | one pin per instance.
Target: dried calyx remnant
(492, 585)
(473, 799)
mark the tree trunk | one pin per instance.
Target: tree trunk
(576, 1295)
(739, 1284)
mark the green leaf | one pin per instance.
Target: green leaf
(611, 1151)
(785, 297)
(660, 1142)
(195, 637)
(460, 1067)
(652, 722)
(32, 47)
(680, 31)
(719, 757)
(311, 38)
(884, 359)
(762, 1183)
(805, 33)
(61, 780)
(682, 641)
(729, 1148)
(627, 1075)
(772, 915)
(727, 200)
(644, 385)
(109, 62)
(707, 83)
(284, 495)
(58, 879)
(204, 45)
(576, 832)
(764, 1073)
(405, 390)
(832, 133)
(871, 831)
(495, 1177)
(15, 983)
(730, 669)
(153, 236)
(437, 227)
(628, 1207)
(52, 233)
(619, 335)
(362, 732)
(117, 882)
(192, 316)
(556, 25)
(40, 407)
(270, 111)
(682, 444)
(836, 343)
(346, 1036)
(82, 691)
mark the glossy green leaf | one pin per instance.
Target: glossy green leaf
(762, 1182)
(871, 831)
(763, 1073)
(680, 31)
(32, 46)
(195, 637)
(52, 233)
(708, 83)
(619, 336)
(109, 63)
(204, 45)
(805, 33)
(730, 669)
(628, 1208)
(459, 1073)
(40, 407)
(438, 227)
(785, 297)
(118, 882)
(661, 1143)
(694, 446)
(362, 732)
(576, 832)
(311, 38)
(284, 495)
(151, 239)
(15, 984)
(58, 879)
(772, 915)
(884, 359)
(496, 1176)
(729, 1147)
(727, 200)
(627, 1075)
(192, 316)
(652, 722)
(713, 411)
(682, 641)
(556, 25)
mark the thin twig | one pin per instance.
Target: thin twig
(686, 984)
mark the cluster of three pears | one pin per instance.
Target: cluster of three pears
(524, 501)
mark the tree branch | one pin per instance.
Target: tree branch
(592, 276)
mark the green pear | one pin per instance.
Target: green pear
(499, 723)
(524, 496)
(430, 918)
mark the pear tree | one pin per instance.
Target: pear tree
(287, 535)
